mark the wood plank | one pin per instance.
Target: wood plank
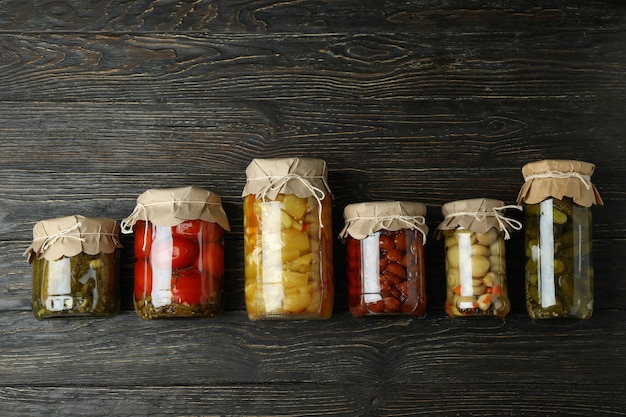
(126, 351)
(419, 398)
(219, 135)
(380, 66)
(300, 16)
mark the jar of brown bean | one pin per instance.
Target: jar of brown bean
(385, 258)
(474, 232)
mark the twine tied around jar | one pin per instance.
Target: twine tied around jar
(559, 178)
(585, 179)
(140, 213)
(412, 222)
(503, 221)
(276, 182)
(68, 236)
(65, 233)
(52, 239)
(169, 207)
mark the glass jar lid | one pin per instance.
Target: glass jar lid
(364, 219)
(304, 177)
(559, 178)
(478, 215)
(69, 236)
(172, 206)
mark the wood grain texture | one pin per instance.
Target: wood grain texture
(304, 16)
(234, 366)
(418, 399)
(372, 66)
(232, 348)
(428, 101)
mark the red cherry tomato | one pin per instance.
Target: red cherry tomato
(187, 287)
(143, 239)
(212, 232)
(143, 279)
(211, 259)
(175, 254)
(199, 229)
(189, 228)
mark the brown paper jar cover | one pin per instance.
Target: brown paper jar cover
(557, 179)
(304, 177)
(71, 235)
(477, 215)
(364, 219)
(172, 206)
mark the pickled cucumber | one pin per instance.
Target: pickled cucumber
(86, 286)
(559, 276)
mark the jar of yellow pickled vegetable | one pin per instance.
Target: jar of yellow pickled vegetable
(75, 263)
(288, 239)
(557, 197)
(474, 231)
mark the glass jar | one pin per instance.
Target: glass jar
(75, 267)
(179, 253)
(385, 258)
(474, 231)
(288, 250)
(557, 197)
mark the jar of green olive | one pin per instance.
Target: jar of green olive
(75, 264)
(557, 197)
(474, 232)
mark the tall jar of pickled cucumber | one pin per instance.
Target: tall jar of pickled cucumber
(474, 232)
(179, 252)
(75, 266)
(557, 197)
(288, 239)
(385, 258)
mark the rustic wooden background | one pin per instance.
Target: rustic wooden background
(427, 101)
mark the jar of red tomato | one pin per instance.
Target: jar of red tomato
(179, 252)
(474, 231)
(288, 239)
(385, 258)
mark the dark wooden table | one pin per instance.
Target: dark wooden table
(427, 101)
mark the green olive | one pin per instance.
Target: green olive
(559, 266)
(532, 294)
(566, 284)
(558, 216)
(565, 206)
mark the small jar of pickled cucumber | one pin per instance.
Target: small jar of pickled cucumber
(179, 253)
(557, 197)
(75, 264)
(288, 239)
(385, 258)
(474, 232)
